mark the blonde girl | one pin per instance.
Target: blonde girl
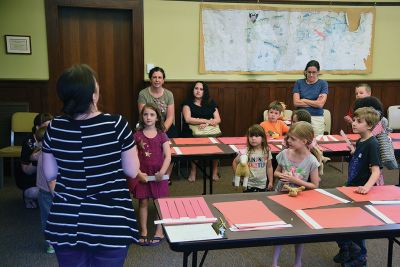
(154, 157)
(259, 160)
(297, 166)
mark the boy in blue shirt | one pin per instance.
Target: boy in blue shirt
(364, 170)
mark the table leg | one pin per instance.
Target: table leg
(210, 163)
(203, 258)
(204, 177)
(1, 172)
(194, 259)
(185, 258)
(390, 253)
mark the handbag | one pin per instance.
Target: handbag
(208, 131)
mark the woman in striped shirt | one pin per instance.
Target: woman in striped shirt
(91, 221)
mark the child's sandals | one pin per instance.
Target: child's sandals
(155, 241)
(143, 240)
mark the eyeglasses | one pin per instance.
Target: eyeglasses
(312, 72)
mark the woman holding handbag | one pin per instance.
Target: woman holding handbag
(200, 118)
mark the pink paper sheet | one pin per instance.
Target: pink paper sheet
(305, 200)
(274, 148)
(335, 147)
(192, 207)
(329, 138)
(200, 150)
(192, 141)
(396, 145)
(390, 211)
(233, 140)
(353, 137)
(384, 192)
(245, 212)
(341, 217)
(395, 135)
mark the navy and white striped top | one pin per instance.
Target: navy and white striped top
(92, 205)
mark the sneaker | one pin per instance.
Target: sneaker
(346, 254)
(358, 262)
(343, 256)
(30, 203)
(50, 250)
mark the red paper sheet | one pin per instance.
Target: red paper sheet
(329, 138)
(353, 137)
(394, 135)
(341, 217)
(192, 141)
(384, 192)
(274, 140)
(199, 150)
(245, 212)
(390, 211)
(335, 147)
(396, 145)
(192, 207)
(233, 140)
(305, 200)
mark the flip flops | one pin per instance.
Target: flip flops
(155, 241)
(144, 242)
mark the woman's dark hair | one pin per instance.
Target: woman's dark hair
(370, 101)
(311, 63)
(75, 88)
(40, 119)
(156, 69)
(205, 100)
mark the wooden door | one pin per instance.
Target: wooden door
(106, 37)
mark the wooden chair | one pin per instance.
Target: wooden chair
(21, 125)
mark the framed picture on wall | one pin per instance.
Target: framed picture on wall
(18, 44)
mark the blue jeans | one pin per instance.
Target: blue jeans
(100, 257)
(45, 199)
(360, 243)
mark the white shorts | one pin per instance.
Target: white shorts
(318, 124)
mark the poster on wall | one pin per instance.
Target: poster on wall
(263, 40)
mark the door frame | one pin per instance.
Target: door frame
(53, 42)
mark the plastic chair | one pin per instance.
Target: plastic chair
(394, 117)
(21, 123)
(287, 114)
(328, 121)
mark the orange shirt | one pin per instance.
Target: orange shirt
(278, 127)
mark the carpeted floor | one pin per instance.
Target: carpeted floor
(22, 244)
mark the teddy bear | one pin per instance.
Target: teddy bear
(242, 170)
(293, 191)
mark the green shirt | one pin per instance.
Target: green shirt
(161, 102)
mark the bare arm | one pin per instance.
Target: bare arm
(130, 162)
(288, 178)
(166, 162)
(270, 175)
(375, 172)
(297, 102)
(318, 103)
(140, 107)
(187, 116)
(217, 118)
(50, 167)
(170, 117)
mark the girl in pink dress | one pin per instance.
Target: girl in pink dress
(154, 157)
